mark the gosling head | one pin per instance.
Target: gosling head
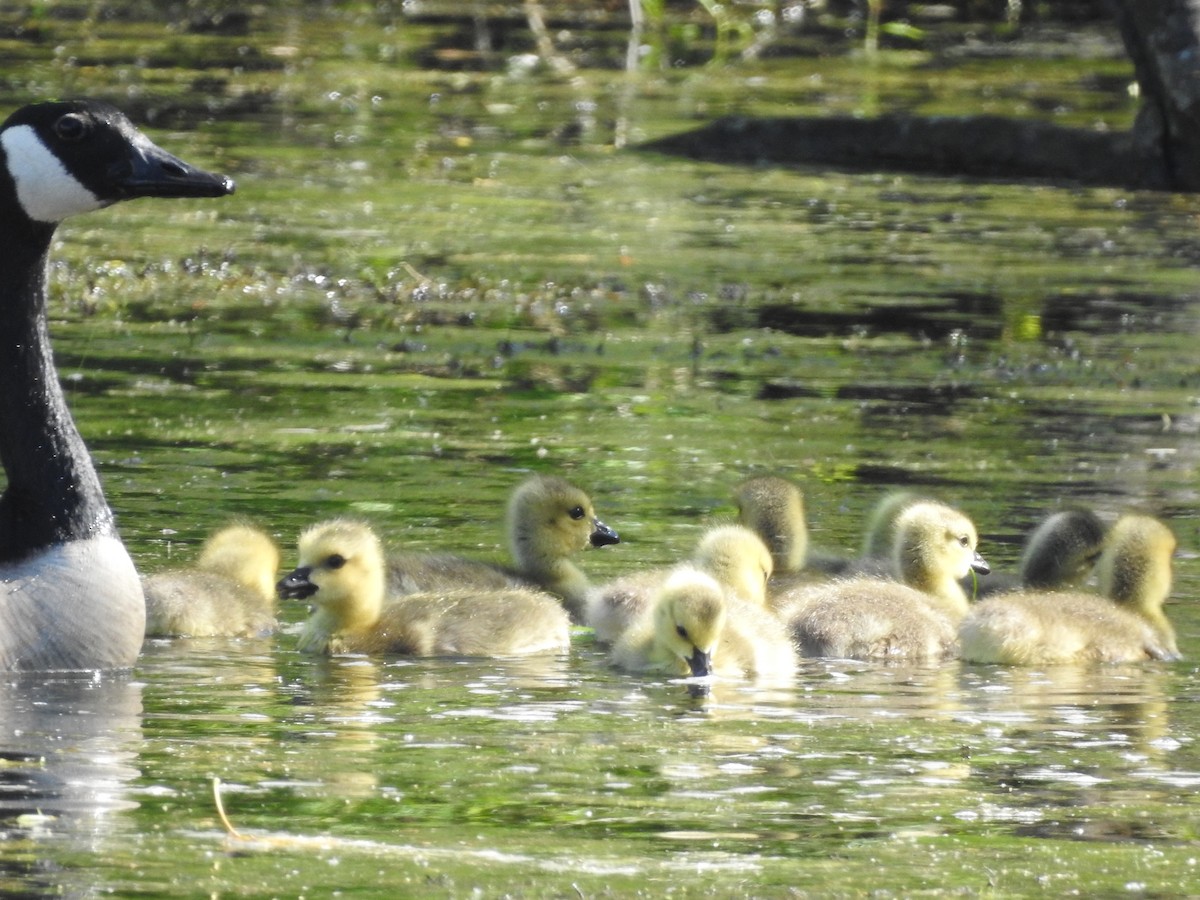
(879, 538)
(935, 543)
(1062, 550)
(688, 618)
(244, 553)
(738, 559)
(341, 567)
(773, 508)
(549, 518)
(1135, 566)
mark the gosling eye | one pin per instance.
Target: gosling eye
(71, 128)
(965, 541)
(681, 631)
(336, 561)
(576, 512)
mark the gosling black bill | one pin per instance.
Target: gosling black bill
(296, 585)
(602, 535)
(979, 564)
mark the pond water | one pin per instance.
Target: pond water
(438, 277)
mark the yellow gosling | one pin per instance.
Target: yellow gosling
(548, 521)
(693, 629)
(229, 592)
(739, 561)
(879, 537)
(1125, 622)
(343, 571)
(869, 618)
(733, 555)
(773, 508)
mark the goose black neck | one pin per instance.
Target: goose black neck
(53, 494)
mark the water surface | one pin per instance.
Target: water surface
(432, 282)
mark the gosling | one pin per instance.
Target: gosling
(733, 555)
(773, 508)
(694, 629)
(1125, 622)
(342, 569)
(548, 520)
(1059, 553)
(229, 592)
(878, 618)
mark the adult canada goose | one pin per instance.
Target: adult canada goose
(342, 570)
(70, 597)
(869, 617)
(1125, 622)
(732, 554)
(548, 520)
(229, 592)
(693, 627)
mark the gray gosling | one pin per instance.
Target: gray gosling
(879, 618)
(694, 628)
(734, 556)
(1059, 553)
(1125, 622)
(342, 570)
(548, 520)
(229, 592)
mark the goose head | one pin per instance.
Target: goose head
(689, 615)
(244, 553)
(74, 156)
(738, 559)
(935, 545)
(773, 508)
(341, 567)
(550, 519)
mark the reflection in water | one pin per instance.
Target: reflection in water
(1122, 706)
(68, 749)
(1065, 739)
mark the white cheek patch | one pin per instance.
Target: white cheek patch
(46, 190)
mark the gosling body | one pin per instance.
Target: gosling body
(733, 555)
(229, 592)
(1125, 622)
(694, 628)
(548, 521)
(878, 618)
(342, 570)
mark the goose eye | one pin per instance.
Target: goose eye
(336, 561)
(965, 541)
(71, 128)
(576, 512)
(681, 631)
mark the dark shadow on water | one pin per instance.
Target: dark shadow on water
(989, 147)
